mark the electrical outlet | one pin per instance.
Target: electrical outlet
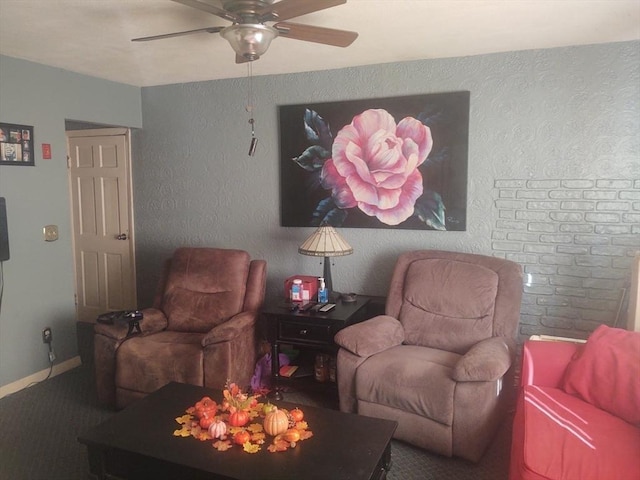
(47, 336)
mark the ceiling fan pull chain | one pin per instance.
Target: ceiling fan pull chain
(252, 122)
(254, 140)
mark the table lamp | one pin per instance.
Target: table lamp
(326, 242)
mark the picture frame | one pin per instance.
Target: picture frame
(386, 163)
(16, 145)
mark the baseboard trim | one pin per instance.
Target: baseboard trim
(59, 368)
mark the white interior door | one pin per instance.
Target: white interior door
(100, 181)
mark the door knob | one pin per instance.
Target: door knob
(122, 236)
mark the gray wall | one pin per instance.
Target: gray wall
(568, 113)
(38, 278)
(558, 114)
(573, 238)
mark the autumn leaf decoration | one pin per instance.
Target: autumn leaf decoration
(236, 400)
(222, 445)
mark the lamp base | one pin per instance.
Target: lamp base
(334, 297)
(327, 275)
(348, 298)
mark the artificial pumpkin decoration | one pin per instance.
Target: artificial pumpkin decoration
(239, 418)
(205, 422)
(286, 427)
(206, 407)
(267, 407)
(276, 422)
(292, 435)
(242, 437)
(218, 429)
(296, 414)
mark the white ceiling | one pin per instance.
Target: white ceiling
(93, 36)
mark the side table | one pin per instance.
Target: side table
(310, 329)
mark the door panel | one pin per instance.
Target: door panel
(86, 205)
(99, 174)
(111, 207)
(115, 294)
(90, 284)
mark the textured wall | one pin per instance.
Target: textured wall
(575, 239)
(550, 114)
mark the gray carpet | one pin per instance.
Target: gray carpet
(39, 427)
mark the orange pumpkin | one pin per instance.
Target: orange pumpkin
(276, 422)
(239, 418)
(242, 437)
(292, 435)
(206, 407)
(296, 414)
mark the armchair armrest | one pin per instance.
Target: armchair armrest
(153, 321)
(486, 361)
(237, 325)
(544, 363)
(371, 336)
(230, 351)
(116, 331)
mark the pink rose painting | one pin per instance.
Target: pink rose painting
(386, 167)
(374, 165)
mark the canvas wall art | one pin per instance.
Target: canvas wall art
(398, 162)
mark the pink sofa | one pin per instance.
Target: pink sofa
(563, 427)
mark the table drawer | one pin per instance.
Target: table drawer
(304, 332)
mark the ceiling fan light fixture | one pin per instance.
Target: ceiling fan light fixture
(250, 41)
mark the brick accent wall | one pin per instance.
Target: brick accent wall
(575, 240)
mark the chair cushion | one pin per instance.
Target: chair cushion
(204, 288)
(148, 363)
(566, 438)
(410, 378)
(607, 365)
(447, 304)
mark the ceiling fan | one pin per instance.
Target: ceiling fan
(250, 36)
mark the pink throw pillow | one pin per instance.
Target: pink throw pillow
(606, 372)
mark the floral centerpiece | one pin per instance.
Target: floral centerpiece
(238, 404)
(243, 421)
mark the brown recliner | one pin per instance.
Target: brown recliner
(439, 361)
(200, 330)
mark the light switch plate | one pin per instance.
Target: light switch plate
(50, 233)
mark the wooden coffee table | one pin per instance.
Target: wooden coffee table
(138, 442)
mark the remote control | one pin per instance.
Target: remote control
(327, 307)
(305, 307)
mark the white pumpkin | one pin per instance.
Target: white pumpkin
(218, 429)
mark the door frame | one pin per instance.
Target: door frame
(110, 132)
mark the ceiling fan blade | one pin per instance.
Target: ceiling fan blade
(286, 9)
(309, 33)
(178, 34)
(206, 7)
